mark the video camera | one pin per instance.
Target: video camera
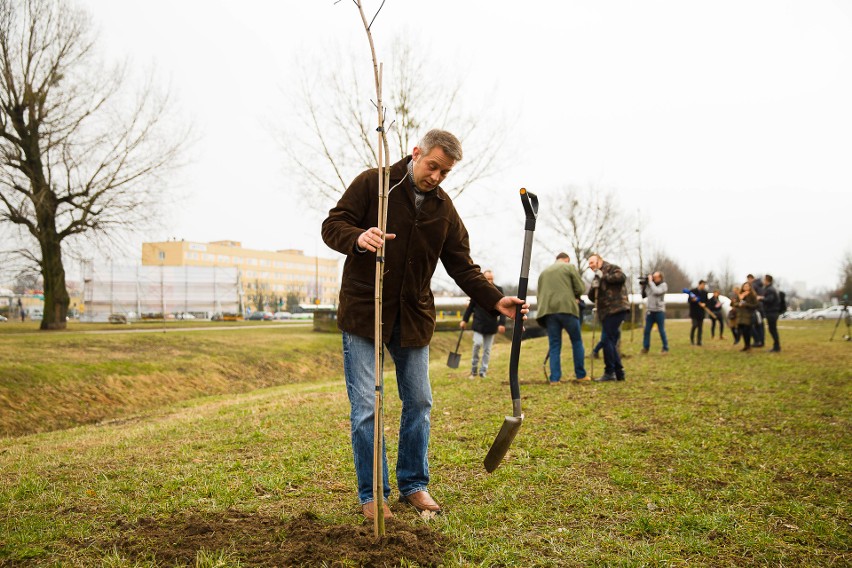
(643, 280)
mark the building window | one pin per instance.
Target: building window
(161, 255)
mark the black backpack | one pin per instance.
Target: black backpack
(782, 302)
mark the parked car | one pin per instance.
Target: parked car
(282, 315)
(117, 318)
(831, 312)
(185, 316)
(3, 318)
(264, 316)
(792, 315)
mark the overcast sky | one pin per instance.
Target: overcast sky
(727, 125)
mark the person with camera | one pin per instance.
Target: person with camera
(697, 303)
(714, 304)
(610, 296)
(655, 312)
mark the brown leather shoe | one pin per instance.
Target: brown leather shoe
(421, 501)
(369, 510)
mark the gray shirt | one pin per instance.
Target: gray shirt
(656, 296)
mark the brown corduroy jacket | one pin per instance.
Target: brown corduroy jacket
(611, 296)
(436, 232)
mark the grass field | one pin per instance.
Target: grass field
(218, 448)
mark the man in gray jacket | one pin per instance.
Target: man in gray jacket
(655, 312)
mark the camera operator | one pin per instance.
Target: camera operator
(696, 312)
(655, 313)
(714, 304)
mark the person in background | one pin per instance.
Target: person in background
(558, 297)
(610, 295)
(758, 333)
(732, 316)
(655, 312)
(714, 304)
(696, 312)
(772, 308)
(746, 304)
(485, 326)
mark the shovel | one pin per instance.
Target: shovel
(455, 357)
(511, 424)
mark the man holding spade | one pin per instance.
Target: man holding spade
(423, 227)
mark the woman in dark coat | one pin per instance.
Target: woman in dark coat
(745, 303)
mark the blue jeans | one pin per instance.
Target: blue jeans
(483, 342)
(555, 324)
(612, 333)
(658, 318)
(415, 392)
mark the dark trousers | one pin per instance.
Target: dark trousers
(772, 322)
(697, 326)
(745, 333)
(758, 330)
(720, 321)
(612, 333)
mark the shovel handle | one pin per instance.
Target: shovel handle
(461, 333)
(530, 203)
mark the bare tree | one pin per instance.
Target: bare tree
(588, 221)
(675, 275)
(77, 157)
(335, 141)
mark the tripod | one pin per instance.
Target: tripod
(844, 315)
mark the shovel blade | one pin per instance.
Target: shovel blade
(453, 360)
(507, 433)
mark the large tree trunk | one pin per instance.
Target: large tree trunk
(56, 299)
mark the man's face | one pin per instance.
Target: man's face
(595, 262)
(489, 276)
(702, 286)
(657, 278)
(430, 169)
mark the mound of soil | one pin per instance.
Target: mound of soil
(260, 540)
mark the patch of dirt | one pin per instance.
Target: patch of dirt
(263, 540)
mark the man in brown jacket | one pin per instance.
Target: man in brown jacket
(423, 227)
(610, 297)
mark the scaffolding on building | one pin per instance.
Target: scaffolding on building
(157, 292)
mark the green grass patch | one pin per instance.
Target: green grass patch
(704, 457)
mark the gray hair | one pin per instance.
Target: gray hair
(444, 140)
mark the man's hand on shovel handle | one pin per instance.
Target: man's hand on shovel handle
(508, 304)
